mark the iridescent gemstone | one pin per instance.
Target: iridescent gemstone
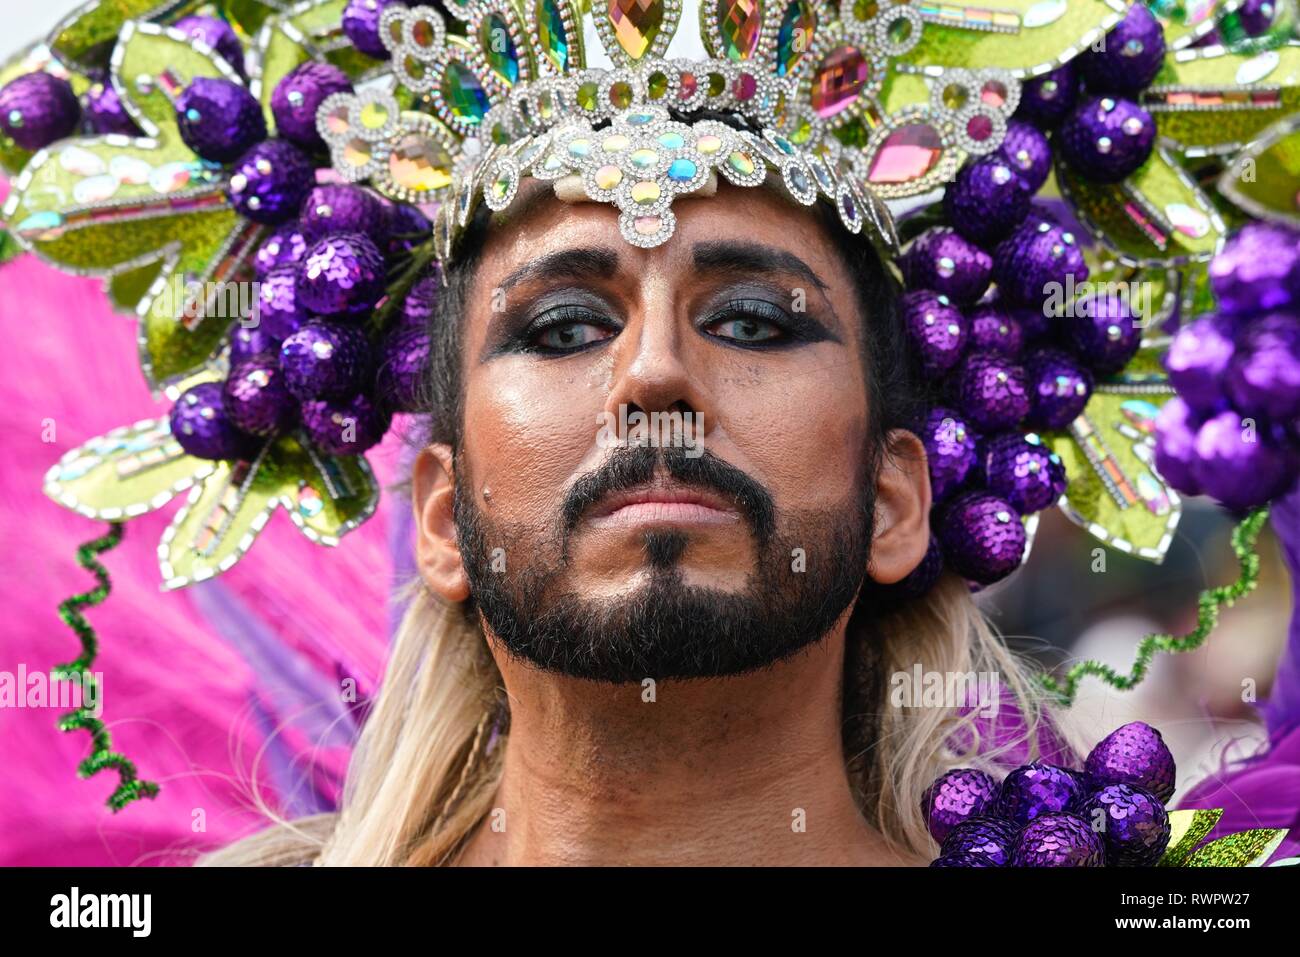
(739, 22)
(587, 94)
(645, 192)
(607, 177)
(708, 144)
(839, 78)
(657, 85)
(795, 35)
(647, 225)
(357, 153)
(686, 86)
(580, 146)
(498, 47)
(620, 95)
(636, 24)
(681, 170)
(615, 142)
(550, 30)
(742, 163)
(744, 87)
(463, 93)
(419, 163)
(907, 154)
(671, 140)
(644, 158)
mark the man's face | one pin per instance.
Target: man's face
(738, 531)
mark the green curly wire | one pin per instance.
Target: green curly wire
(129, 788)
(1209, 603)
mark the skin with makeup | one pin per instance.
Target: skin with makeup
(747, 322)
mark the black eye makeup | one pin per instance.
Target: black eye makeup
(562, 322)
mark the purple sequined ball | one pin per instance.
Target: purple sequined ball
(1133, 824)
(987, 200)
(1026, 150)
(1134, 754)
(1059, 387)
(1046, 100)
(298, 96)
(956, 796)
(991, 391)
(361, 24)
(38, 108)
(279, 310)
(1106, 138)
(286, 246)
(325, 360)
(219, 119)
(993, 330)
(344, 427)
(270, 182)
(1258, 270)
(1058, 840)
(982, 536)
(342, 208)
(1018, 467)
(403, 356)
(1036, 789)
(255, 396)
(985, 837)
(341, 273)
(936, 328)
(1130, 56)
(942, 260)
(949, 449)
(200, 424)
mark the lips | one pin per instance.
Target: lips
(663, 500)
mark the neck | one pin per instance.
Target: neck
(736, 771)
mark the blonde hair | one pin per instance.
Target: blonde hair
(426, 767)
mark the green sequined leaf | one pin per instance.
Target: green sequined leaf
(127, 288)
(84, 39)
(152, 65)
(330, 495)
(127, 472)
(1209, 103)
(1115, 493)
(1029, 36)
(220, 521)
(1264, 180)
(1156, 217)
(98, 207)
(1187, 828)
(1243, 849)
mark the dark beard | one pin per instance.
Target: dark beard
(665, 629)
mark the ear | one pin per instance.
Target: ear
(902, 509)
(437, 553)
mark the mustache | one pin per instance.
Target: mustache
(630, 466)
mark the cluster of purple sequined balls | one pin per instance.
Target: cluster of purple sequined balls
(1233, 430)
(1000, 318)
(1109, 814)
(311, 357)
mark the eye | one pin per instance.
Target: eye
(568, 329)
(749, 322)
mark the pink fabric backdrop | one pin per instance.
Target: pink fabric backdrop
(197, 683)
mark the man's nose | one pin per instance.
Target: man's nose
(654, 367)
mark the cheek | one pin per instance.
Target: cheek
(802, 430)
(530, 427)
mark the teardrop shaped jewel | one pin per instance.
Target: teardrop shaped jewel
(551, 33)
(794, 36)
(839, 78)
(463, 93)
(499, 48)
(636, 24)
(907, 154)
(739, 22)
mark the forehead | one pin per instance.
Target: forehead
(538, 223)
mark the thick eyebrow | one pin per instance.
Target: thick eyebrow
(583, 262)
(749, 258)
